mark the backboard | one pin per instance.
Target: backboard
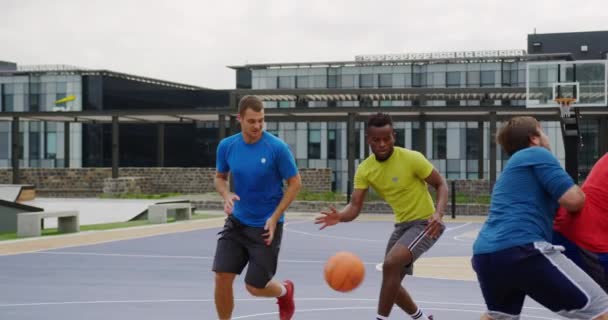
(585, 81)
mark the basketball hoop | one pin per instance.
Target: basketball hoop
(564, 105)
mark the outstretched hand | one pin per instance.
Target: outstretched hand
(328, 218)
(229, 202)
(435, 226)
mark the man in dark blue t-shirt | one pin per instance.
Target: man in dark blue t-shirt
(259, 163)
(513, 256)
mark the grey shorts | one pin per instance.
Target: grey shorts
(411, 234)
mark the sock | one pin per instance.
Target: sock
(379, 317)
(419, 315)
(283, 290)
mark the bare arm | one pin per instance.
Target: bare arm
(221, 183)
(435, 225)
(438, 182)
(573, 200)
(293, 187)
(221, 186)
(353, 208)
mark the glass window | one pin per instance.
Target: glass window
(332, 144)
(453, 79)
(472, 143)
(348, 81)
(62, 87)
(453, 168)
(8, 103)
(4, 143)
(286, 82)
(400, 137)
(34, 102)
(284, 104)
(314, 144)
(487, 79)
(416, 140)
(385, 80)
(419, 79)
(473, 78)
(332, 81)
(366, 81)
(439, 143)
(34, 145)
(302, 82)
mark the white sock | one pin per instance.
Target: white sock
(283, 290)
(379, 317)
(419, 315)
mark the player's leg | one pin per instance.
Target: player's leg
(407, 243)
(230, 259)
(496, 274)
(262, 268)
(580, 297)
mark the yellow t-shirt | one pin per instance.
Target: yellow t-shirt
(399, 180)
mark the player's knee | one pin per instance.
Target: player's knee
(392, 266)
(253, 290)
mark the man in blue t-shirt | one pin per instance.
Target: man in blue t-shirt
(512, 256)
(259, 163)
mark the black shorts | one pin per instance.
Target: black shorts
(239, 245)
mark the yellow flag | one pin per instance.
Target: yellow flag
(66, 99)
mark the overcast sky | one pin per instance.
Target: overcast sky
(192, 41)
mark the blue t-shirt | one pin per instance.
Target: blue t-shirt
(258, 170)
(524, 201)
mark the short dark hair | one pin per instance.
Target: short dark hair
(516, 133)
(250, 102)
(379, 120)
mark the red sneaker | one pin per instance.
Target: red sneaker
(287, 306)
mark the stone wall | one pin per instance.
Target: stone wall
(87, 182)
(374, 207)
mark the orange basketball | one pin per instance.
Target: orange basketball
(344, 271)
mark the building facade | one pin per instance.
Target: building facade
(459, 82)
(66, 88)
(453, 147)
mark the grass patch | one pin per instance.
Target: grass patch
(108, 226)
(140, 196)
(461, 198)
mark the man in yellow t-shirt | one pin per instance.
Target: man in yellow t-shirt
(400, 177)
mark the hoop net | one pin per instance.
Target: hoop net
(564, 105)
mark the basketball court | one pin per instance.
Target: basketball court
(168, 276)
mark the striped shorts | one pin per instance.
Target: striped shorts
(411, 234)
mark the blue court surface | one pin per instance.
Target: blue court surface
(169, 277)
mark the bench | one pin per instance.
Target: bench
(29, 224)
(157, 213)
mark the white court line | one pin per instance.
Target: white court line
(262, 314)
(34, 304)
(330, 236)
(458, 227)
(365, 240)
(149, 256)
(367, 308)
